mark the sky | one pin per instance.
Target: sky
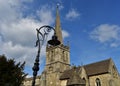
(92, 28)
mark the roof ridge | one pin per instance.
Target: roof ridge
(98, 61)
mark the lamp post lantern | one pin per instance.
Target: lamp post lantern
(42, 32)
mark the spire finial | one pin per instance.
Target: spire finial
(58, 5)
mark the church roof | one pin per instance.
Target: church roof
(67, 74)
(73, 76)
(75, 79)
(96, 68)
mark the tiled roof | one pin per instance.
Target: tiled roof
(98, 67)
(73, 76)
(68, 73)
(91, 69)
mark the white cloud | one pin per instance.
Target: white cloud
(6, 8)
(18, 34)
(22, 32)
(10, 9)
(60, 5)
(65, 34)
(45, 14)
(72, 14)
(114, 44)
(19, 52)
(106, 33)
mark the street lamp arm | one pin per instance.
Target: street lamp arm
(49, 28)
(43, 32)
(41, 35)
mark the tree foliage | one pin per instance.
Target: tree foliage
(11, 73)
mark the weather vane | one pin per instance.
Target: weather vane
(58, 4)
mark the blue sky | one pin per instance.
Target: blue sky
(92, 28)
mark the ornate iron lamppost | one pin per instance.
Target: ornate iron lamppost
(42, 32)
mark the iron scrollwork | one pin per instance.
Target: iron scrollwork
(42, 34)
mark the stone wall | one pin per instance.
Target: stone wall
(105, 80)
(28, 81)
(63, 82)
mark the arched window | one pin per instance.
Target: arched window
(84, 79)
(98, 83)
(111, 83)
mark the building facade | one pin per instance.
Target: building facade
(58, 71)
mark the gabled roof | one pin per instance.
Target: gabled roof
(75, 79)
(73, 76)
(98, 67)
(67, 74)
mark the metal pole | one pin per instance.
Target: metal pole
(36, 64)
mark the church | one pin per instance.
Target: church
(59, 72)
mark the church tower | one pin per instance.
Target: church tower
(57, 57)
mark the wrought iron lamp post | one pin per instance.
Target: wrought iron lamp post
(42, 33)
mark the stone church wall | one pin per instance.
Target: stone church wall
(63, 82)
(104, 78)
(28, 82)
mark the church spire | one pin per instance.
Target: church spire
(58, 26)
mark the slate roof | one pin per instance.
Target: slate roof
(73, 76)
(75, 80)
(67, 74)
(96, 68)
